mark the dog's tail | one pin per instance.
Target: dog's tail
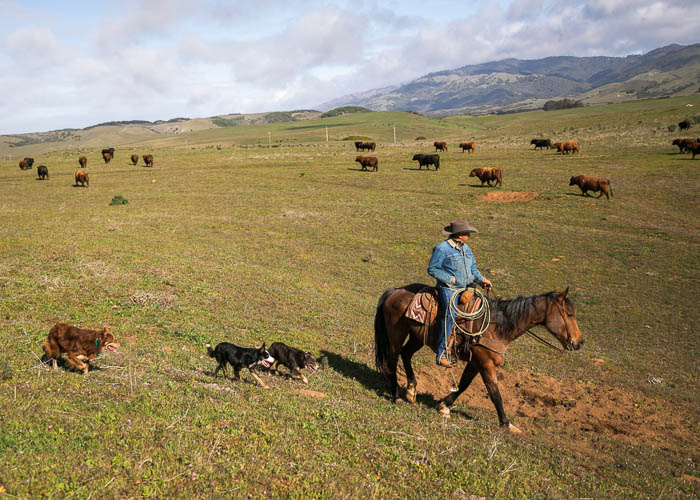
(210, 351)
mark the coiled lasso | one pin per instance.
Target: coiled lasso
(483, 310)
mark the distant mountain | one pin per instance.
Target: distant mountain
(524, 84)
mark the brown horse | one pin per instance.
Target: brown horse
(509, 320)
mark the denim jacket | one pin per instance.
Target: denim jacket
(450, 261)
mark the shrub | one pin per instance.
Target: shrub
(562, 104)
(357, 138)
(119, 200)
(345, 110)
(671, 128)
(420, 138)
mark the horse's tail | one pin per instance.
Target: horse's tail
(381, 336)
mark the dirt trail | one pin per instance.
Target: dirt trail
(626, 415)
(507, 196)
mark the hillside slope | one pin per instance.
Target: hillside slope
(514, 83)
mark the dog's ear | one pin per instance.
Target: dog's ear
(263, 347)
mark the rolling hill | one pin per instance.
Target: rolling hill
(513, 84)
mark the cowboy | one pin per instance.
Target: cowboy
(453, 266)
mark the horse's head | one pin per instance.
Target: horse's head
(560, 320)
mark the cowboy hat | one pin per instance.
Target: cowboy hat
(459, 226)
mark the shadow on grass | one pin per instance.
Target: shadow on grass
(478, 185)
(354, 370)
(360, 170)
(417, 169)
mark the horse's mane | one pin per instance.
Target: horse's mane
(507, 313)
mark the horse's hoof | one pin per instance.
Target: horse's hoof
(513, 430)
(411, 395)
(444, 410)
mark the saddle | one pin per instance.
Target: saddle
(425, 307)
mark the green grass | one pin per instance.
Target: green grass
(291, 243)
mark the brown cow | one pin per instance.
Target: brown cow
(81, 178)
(487, 175)
(134, 159)
(368, 162)
(694, 148)
(148, 160)
(467, 146)
(440, 146)
(107, 157)
(23, 165)
(82, 161)
(594, 184)
(683, 144)
(559, 146)
(570, 146)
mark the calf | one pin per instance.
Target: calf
(487, 175)
(42, 171)
(368, 162)
(467, 146)
(82, 161)
(440, 146)
(23, 165)
(134, 159)
(107, 157)
(594, 184)
(148, 160)
(427, 160)
(81, 178)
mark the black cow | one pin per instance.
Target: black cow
(30, 162)
(108, 150)
(541, 143)
(42, 171)
(427, 160)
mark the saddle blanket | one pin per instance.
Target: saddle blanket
(417, 308)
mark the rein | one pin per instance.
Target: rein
(543, 341)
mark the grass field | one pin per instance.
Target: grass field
(251, 244)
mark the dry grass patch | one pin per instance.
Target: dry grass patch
(147, 299)
(508, 196)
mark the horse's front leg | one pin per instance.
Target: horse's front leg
(468, 375)
(488, 374)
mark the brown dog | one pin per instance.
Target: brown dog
(594, 184)
(487, 174)
(80, 345)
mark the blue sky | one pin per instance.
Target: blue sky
(74, 64)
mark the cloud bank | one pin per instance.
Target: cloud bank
(160, 59)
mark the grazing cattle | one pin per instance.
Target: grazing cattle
(541, 143)
(427, 160)
(440, 146)
(108, 150)
(487, 175)
(694, 148)
(559, 146)
(368, 162)
(148, 160)
(42, 171)
(684, 125)
(30, 162)
(683, 143)
(594, 184)
(467, 146)
(134, 159)
(107, 157)
(365, 146)
(23, 165)
(82, 161)
(81, 178)
(570, 147)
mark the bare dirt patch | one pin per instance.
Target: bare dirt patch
(508, 196)
(527, 398)
(313, 394)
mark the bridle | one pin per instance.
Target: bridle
(547, 343)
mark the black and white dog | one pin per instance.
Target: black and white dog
(294, 359)
(239, 357)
